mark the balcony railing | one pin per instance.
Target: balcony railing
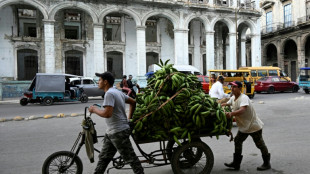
(246, 4)
(280, 26)
(304, 19)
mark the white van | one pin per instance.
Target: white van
(186, 69)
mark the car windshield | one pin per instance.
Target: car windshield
(200, 79)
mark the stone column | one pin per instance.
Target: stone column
(300, 54)
(181, 47)
(243, 52)
(141, 55)
(210, 50)
(49, 46)
(99, 62)
(232, 51)
(256, 50)
(280, 55)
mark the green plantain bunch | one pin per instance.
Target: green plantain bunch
(174, 106)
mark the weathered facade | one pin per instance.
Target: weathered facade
(286, 34)
(125, 36)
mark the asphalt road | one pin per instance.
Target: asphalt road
(26, 144)
(11, 109)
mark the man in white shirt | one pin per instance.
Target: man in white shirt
(248, 124)
(217, 90)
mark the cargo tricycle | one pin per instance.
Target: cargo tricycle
(191, 157)
(49, 88)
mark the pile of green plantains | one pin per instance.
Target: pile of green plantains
(174, 105)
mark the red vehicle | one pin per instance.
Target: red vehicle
(204, 83)
(271, 84)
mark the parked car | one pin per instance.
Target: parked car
(272, 84)
(204, 83)
(89, 85)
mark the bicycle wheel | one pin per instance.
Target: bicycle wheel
(58, 162)
(185, 154)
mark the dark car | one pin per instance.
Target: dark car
(204, 83)
(89, 85)
(272, 84)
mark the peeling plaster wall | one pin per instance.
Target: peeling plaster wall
(167, 43)
(131, 48)
(7, 57)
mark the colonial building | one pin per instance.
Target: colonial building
(286, 34)
(125, 36)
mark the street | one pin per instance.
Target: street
(12, 109)
(26, 144)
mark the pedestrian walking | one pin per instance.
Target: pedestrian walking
(248, 124)
(118, 131)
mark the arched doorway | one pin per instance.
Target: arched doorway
(151, 58)
(271, 55)
(74, 62)
(290, 59)
(115, 64)
(27, 64)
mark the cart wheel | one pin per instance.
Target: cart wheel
(172, 145)
(23, 101)
(84, 98)
(187, 154)
(48, 101)
(59, 161)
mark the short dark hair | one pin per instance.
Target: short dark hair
(220, 78)
(106, 76)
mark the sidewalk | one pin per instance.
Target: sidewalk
(10, 100)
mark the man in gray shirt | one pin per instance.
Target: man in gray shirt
(118, 131)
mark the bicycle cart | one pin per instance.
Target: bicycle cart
(193, 156)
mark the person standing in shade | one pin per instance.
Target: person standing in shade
(248, 124)
(118, 131)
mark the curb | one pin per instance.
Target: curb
(33, 117)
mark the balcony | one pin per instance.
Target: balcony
(278, 27)
(246, 4)
(303, 20)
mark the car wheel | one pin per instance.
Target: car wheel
(271, 90)
(48, 101)
(258, 92)
(295, 89)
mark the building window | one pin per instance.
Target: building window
(115, 64)
(190, 59)
(27, 23)
(27, 62)
(269, 22)
(288, 15)
(72, 25)
(113, 28)
(151, 31)
(74, 62)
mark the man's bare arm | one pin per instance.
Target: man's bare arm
(106, 112)
(132, 106)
